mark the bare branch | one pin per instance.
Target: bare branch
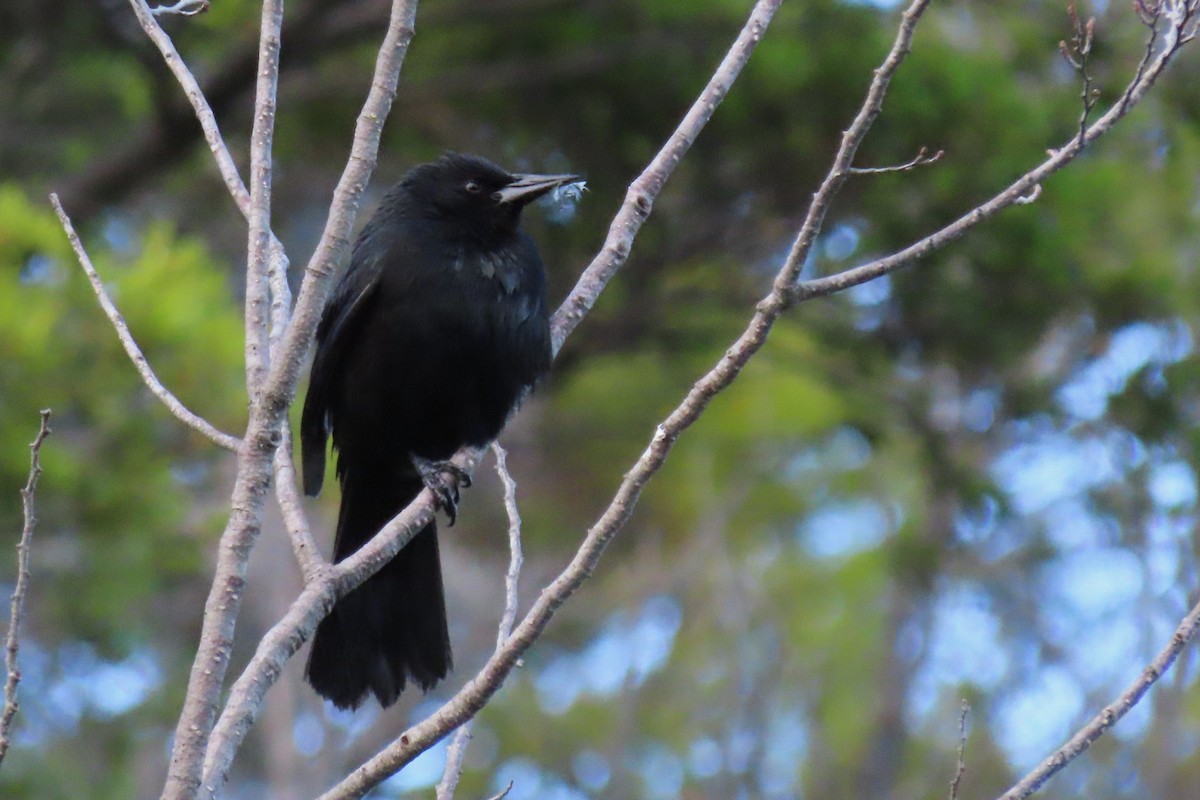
(962, 747)
(335, 238)
(844, 158)
(184, 8)
(503, 793)
(1078, 54)
(920, 160)
(280, 293)
(195, 95)
(1024, 189)
(204, 682)
(329, 583)
(639, 200)
(1111, 713)
(308, 555)
(462, 737)
(255, 466)
(12, 642)
(281, 299)
(262, 137)
(455, 754)
(181, 412)
(516, 558)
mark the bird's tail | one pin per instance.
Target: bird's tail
(392, 628)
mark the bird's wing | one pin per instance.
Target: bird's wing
(334, 335)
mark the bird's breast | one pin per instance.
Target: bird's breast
(501, 269)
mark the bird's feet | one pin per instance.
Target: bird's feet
(443, 478)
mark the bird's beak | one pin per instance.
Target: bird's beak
(527, 188)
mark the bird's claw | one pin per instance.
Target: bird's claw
(443, 478)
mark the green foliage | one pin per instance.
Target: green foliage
(116, 523)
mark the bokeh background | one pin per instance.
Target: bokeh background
(975, 479)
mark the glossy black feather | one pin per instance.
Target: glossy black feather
(432, 335)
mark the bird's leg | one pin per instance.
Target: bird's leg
(443, 479)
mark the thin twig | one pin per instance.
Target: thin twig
(1111, 713)
(277, 266)
(184, 8)
(308, 555)
(173, 404)
(639, 199)
(872, 106)
(962, 748)
(195, 96)
(1078, 55)
(516, 558)
(12, 642)
(457, 750)
(1147, 10)
(1150, 18)
(503, 792)
(920, 160)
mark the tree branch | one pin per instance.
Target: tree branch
(1078, 55)
(329, 583)
(181, 412)
(308, 555)
(262, 137)
(1111, 713)
(639, 200)
(814, 220)
(263, 435)
(280, 293)
(199, 102)
(919, 160)
(281, 299)
(962, 749)
(204, 683)
(1026, 188)
(12, 642)
(462, 737)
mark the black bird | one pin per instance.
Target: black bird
(434, 333)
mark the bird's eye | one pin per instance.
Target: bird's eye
(472, 187)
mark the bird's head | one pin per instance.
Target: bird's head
(475, 192)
